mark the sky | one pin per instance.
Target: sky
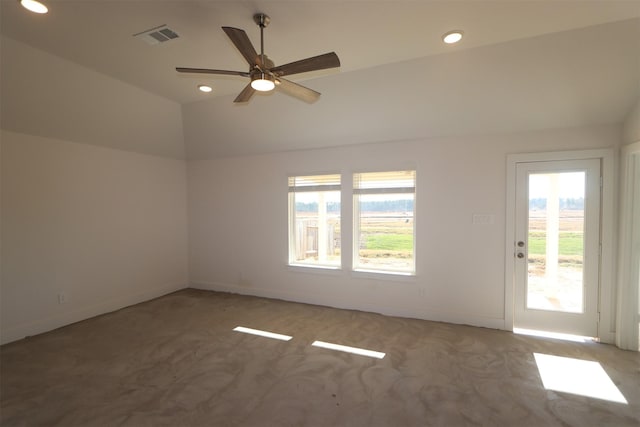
(571, 185)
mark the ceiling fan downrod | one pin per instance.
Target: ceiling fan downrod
(262, 20)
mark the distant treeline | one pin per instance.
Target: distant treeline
(372, 206)
(407, 205)
(569, 203)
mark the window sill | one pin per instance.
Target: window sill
(314, 269)
(397, 276)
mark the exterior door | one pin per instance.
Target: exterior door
(557, 247)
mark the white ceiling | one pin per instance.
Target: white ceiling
(98, 33)
(583, 77)
(523, 65)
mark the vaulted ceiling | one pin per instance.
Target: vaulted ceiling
(521, 65)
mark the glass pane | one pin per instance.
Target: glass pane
(556, 241)
(385, 235)
(317, 228)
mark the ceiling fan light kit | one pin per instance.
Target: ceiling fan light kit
(264, 75)
(262, 82)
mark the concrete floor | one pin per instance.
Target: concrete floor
(176, 361)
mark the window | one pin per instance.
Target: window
(314, 220)
(384, 210)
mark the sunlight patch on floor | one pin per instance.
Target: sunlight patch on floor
(262, 333)
(575, 376)
(347, 349)
(554, 335)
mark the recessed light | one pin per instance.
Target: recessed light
(34, 6)
(452, 37)
(205, 88)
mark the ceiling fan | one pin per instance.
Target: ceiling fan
(262, 72)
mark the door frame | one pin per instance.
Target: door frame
(607, 285)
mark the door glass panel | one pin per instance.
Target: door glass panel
(555, 246)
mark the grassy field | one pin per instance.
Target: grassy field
(387, 240)
(570, 246)
(390, 242)
(386, 243)
(570, 243)
(391, 238)
(397, 235)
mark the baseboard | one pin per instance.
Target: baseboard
(53, 322)
(608, 337)
(432, 315)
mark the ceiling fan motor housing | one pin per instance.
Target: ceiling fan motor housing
(268, 63)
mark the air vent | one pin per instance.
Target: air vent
(157, 35)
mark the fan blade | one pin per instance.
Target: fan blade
(246, 94)
(208, 71)
(242, 42)
(294, 89)
(320, 62)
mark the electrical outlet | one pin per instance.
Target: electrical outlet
(62, 298)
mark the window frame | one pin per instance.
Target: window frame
(356, 221)
(291, 226)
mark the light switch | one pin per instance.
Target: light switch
(484, 219)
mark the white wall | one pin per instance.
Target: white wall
(105, 227)
(80, 216)
(628, 314)
(238, 223)
(108, 228)
(48, 96)
(631, 127)
(628, 317)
